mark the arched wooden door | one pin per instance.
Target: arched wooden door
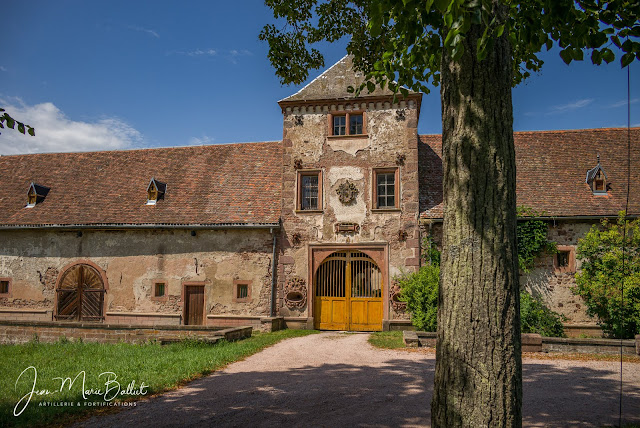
(80, 294)
(348, 293)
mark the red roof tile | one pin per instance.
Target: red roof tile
(219, 184)
(551, 171)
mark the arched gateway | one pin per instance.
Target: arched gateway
(80, 294)
(348, 293)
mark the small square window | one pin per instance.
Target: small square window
(350, 123)
(565, 259)
(4, 287)
(385, 189)
(242, 292)
(562, 259)
(309, 191)
(159, 289)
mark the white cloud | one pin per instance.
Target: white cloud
(196, 52)
(623, 103)
(144, 30)
(200, 141)
(57, 133)
(2, 68)
(242, 52)
(570, 106)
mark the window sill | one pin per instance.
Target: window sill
(386, 210)
(159, 298)
(308, 211)
(340, 137)
(241, 300)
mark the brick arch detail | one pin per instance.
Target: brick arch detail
(103, 274)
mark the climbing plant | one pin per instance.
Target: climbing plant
(532, 238)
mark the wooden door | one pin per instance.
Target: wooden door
(348, 293)
(194, 305)
(80, 294)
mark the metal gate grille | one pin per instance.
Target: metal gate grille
(348, 293)
(80, 295)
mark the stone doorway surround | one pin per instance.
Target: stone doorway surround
(378, 251)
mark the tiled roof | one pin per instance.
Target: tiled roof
(551, 169)
(218, 184)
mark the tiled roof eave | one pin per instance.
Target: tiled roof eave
(121, 226)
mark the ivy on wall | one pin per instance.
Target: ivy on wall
(532, 238)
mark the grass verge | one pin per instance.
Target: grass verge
(161, 368)
(387, 339)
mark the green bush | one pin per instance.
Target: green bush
(535, 317)
(602, 276)
(420, 291)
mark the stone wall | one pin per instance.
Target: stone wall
(22, 332)
(132, 262)
(554, 285)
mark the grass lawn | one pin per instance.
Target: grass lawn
(387, 339)
(160, 368)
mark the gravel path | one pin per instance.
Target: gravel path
(336, 379)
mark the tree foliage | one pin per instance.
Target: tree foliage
(532, 238)
(11, 123)
(536, 317)
(399, 43)
(601, 277)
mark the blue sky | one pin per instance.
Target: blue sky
(104, 75)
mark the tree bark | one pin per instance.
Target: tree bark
(478, 379)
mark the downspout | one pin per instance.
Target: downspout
(273, 276)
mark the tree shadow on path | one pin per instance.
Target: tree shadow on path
(396, 394)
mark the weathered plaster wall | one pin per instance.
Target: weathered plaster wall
(544, 280)
(555, 287)
(390, 142)
(135, 260)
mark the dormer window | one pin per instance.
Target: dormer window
(597, 179)
(155, 191)
(36, 194)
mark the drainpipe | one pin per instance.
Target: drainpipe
(273, 276)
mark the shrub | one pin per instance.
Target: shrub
(535, 317)
(420, 291)
(601, 279)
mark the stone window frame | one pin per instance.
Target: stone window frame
(374, 190)
(165, 296)
(236, 287)
(347, 115)
(9, 292)
(309, 172)
(571, 259)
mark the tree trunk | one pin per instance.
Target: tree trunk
(478, 379)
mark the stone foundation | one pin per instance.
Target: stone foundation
(12, 332)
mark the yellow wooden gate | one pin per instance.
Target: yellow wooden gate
(348, 293)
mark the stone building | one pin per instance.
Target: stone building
(311, 229)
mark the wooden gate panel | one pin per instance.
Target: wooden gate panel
(348, 293)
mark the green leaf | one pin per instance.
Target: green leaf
(499, 30)
(442, 5)
(596, 57)
(371, 87)
(20, 127)
(10, 122)
(577, 54)
(607, 55)
(31, 131)
(350, 89)
(627, 59)
(566, 55)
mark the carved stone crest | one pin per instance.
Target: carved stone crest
(347, 192)
(295, 293)
(394, 298)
